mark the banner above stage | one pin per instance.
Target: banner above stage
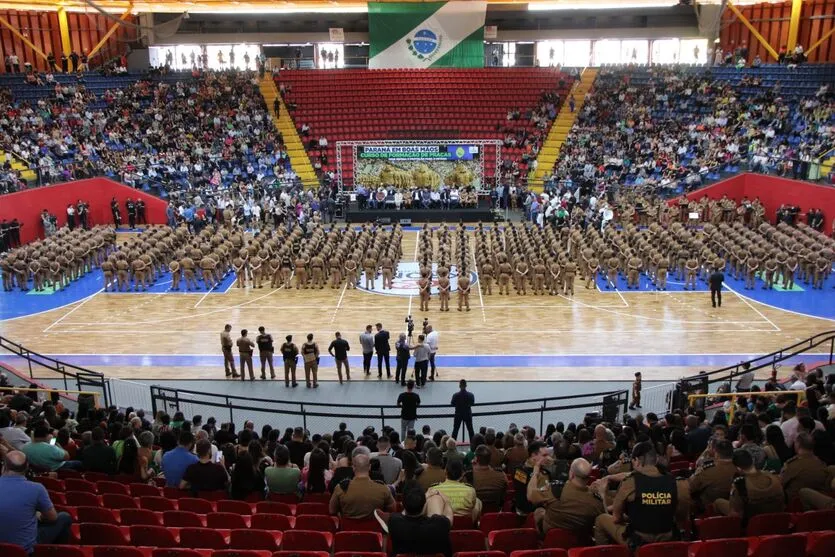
(426, 34)
(448, 152)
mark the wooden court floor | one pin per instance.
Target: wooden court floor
(611, 324)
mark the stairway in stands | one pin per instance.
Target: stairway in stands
(827, 163)
(26, 174)
(285, 125)
(562, 126)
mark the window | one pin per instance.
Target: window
(508, 52)
(634, 52)
(606, 51)
(665, 51)
(550, 53)
(693, 51)
(577, 54)
(330, 55)
(185, 56)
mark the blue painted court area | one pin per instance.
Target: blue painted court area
(163, 286)
(443, 361)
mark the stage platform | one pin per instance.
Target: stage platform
(421, 215)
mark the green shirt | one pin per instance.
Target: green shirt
(44, 455)
(282, 480)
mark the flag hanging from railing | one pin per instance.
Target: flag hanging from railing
(426, 35)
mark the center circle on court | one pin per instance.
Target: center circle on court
(406, 277)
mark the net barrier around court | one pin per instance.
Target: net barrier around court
(325, 417)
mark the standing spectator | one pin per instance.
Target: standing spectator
(338, 349)
(367, 343)
(402, 359)
(421, 360)
(20, 523)
(463, 402)
(408, 403)
(383, 348)
(205, 474)
(175, 462)
(423, 527)
(432, 342)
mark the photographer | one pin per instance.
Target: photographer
(410, 326)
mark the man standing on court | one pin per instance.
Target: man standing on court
(408, 403)
(339, 350)
(381, 344)
(226, 348)
(463, 402)
(367, 343)
(432, 342)
(716, 279)
(245, 347)
(265, 352)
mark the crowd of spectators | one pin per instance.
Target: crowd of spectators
(771, 441)
(666, 127)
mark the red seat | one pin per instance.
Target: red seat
(118, 551)
(272, 507)
(96, 476)
(480, 554)
(769, 524)
(77, 484)
(266, 521)
(51, 484)
(821, 544)
(172, 552)
(202, 538)
(211, 495)
(730, 547)
(466, 540)
(287, 498)
(96, 514)
(11, 550)
(498, 521)
(144, 490)
(48, 550)
(182, 519)
(255, 539)
(778, 546)
(358, 541)
(308, 540)
(65, 473)
(463, 523)
(81, 499)
(159, 504)
(512, 540)
(557, 538)
(241, 553)
(229, 506)
(119, 501)
(317, 522)
(112, 487)
(102, 534)
(300, 554)
(719, 527)
(359, 524)
(553, 552)
(599, 551)
(309, 508)
(360, 554)
(199, 506)
(140, 517)
(153, 536)
(60, 498)
(813, 521)
(663, 549)
(229, 521)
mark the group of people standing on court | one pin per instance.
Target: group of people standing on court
(378, 342)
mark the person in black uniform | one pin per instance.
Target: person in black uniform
(649, 498)
(117, 214)
(64, 63)
(140, 212)
(383, 348)
(716, 279)
(463, 402)
(83, 211)
(131, 208)
(265, 352)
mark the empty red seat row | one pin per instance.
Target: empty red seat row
(182, 519)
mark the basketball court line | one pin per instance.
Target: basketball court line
(73, 310)
(469, 331)
(758, 312)
(203, 297)
(339, 303)
(478, 285)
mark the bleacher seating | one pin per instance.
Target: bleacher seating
(357, 105)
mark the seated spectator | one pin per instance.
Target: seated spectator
(205, 474)
(283, 476)
(298, 447)
(433, 473)
(43, 455)
(15, 434)
(805, 470)
(517, 455)
(360, 496)
(570, 506)
(462, 497)
(27, 516)
(317, 474)
(753, 492)
(176, 461)
(714, 477)
(424, 525)
(145, 458)
(490, 484)
(389, 465)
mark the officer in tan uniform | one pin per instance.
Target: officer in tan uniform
(753, 492)
(226, 348)
(207, 267)
(463, 289)
(612, 266)
(539, 271)
(138, 267)
(286, 269)
(317, 272)
(424, 290)
(360, 496)
(652, 501)
(752, 265)
(771, 268)
(789, 271)
(21, 273)
(351, 269)
(387, 266)
(369, 266)
(301, 271)
(245, 349)
(804, 470)
(486, 278)
(274, 271)
(592, 266)
(443, 288)
(713, 479)
(633, 265)
(174, 267)
(187, 265)
(335, 266)
(505, 270)
(122, 273)
(569, 271)
(520, 275)
(691, 271)
(107, 268)
(822, 266)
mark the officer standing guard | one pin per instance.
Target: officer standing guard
(226, 348)
(265, 352)
(245, 348)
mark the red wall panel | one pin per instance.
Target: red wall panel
(772, 21)
(27, 205)
(42, 29)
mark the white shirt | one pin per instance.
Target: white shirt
(432, 341)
